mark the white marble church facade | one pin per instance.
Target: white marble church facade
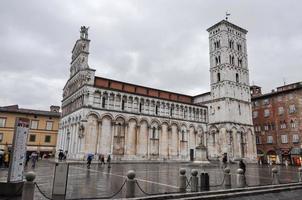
(132, 122)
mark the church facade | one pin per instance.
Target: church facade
(133, 122)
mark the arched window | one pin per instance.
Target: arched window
(218, 77)
(123, 104)
(183, 135)
(237, 77)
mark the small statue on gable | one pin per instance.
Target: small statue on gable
(84, 32)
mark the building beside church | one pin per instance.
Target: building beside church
(43, 130)
(133, 122)
(277, 120)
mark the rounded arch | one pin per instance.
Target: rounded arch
(132, 118)
(108, 115)
(155, 121)
(183, 125)
(144, 120)
(212, 129)
(175, 123)
(93, 113)
(119, 116)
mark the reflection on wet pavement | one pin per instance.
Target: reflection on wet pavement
(99, 180)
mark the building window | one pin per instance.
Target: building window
(32, 138)
(237, 77)
(231, 44)
(280, 111)
(258, 141)
(266, 113)
(34, 124)
(292, 109)
(269, 139)
(140, 107)
(1, 137)
(239, 62)
(123, 104)
(231, 58)
(266, 127)
(282, 125)
(239, 47)
(284, 139)
(293, 124)
(255, 114)
(49, 125)
(47, 138)
(265, 102)
(2, 122)
(295, 138)
(156, 110)
(183, 136)
(239, 109)
(218, 77)
(217, 60)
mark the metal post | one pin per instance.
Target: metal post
(182, 180)
(240, 178)
(300, 174)
(275, 176)
(204, 181)
(130, 184)
(194, 180)
(227, 178)
(29, 186)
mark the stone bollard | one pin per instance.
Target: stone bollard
(300, 174)
(240, 178)
(194, 180)
(275, 176)
(29, 186)
(182, 180)
(227, 178)
(204, 181)
(130, 184)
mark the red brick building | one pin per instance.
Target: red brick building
(277, 118)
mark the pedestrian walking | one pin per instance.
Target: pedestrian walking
(102, 159)
(224, 161)
(109, 160)
(27, 159)
(61, 155)
(1, 160)
(89, 159)
(242, 166)
(6, 160)
(34, 157)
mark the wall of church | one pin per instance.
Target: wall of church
(128, 136)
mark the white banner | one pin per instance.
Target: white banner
(16, 167)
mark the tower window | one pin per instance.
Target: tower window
(239, 47)
(231, 58)
(217, 59)
(239, 62)
(218, 77)
(231, 44)
(237, 77)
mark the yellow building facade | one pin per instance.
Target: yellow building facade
(44, 126)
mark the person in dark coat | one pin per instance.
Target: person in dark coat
(89, 159)
(242, 166)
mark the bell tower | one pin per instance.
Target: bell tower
(230, 92)
(80, 52)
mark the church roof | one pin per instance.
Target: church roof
(229, 24)
(106, 83)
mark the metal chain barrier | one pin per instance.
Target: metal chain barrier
(219, 184)
(108, 197)
(149, 194)
(188, 182)
(43, 194)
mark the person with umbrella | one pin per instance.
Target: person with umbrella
(89, 159)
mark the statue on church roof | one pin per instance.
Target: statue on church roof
(84, 32)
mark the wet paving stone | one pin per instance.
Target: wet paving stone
(153, 178)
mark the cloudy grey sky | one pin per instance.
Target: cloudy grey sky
(161, 44)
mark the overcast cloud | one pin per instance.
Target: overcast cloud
(161, 44)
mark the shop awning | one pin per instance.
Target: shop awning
(295, 151)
